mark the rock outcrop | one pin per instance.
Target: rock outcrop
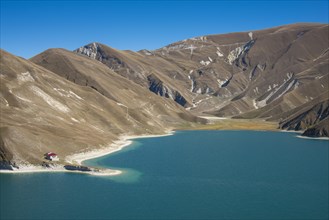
(320, 129)
(307, 117)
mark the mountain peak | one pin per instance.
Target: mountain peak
(89, 50)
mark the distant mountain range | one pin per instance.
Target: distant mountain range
(86, 98)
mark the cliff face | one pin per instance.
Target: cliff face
(157, 86)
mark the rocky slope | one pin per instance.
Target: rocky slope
(41, 111)
(307, 115)
(318, 130)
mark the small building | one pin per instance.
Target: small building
(51, 156)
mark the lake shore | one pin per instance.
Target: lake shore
(313, 138)
(78, 158)
(214, 123)
(124, 140)
(57, 169)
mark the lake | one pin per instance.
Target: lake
(189, 175)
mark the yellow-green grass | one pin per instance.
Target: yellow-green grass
(236, 124)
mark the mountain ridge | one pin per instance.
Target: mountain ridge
(307, 40)
(86, 98)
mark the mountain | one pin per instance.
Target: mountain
(75, 101)
(82, 105)
(255, 74)
(152, 72)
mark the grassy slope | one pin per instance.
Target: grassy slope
(235, 124)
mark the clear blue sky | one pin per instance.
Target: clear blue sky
(30, 27)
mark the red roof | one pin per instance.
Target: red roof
(51, 154)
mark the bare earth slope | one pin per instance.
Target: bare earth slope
(41, 111)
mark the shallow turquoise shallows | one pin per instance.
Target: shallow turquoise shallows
(189, 175)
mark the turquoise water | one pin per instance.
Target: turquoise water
(189, 175)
